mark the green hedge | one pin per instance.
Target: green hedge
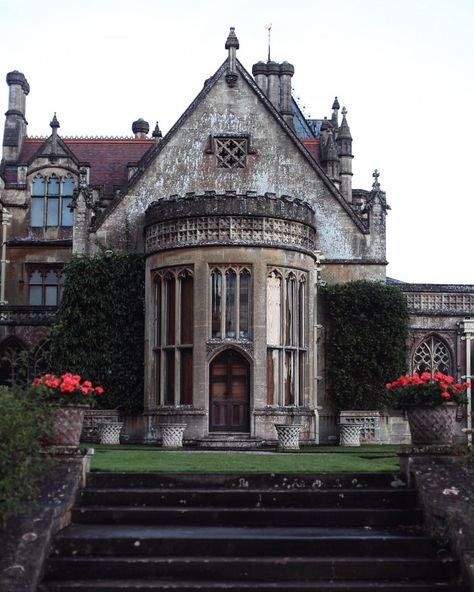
(99, 332)
(24, 423)
(366, 344)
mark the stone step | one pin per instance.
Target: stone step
(279, 568)
(111, 540)
(255, 480)
(297, 498)
(221, 516)
(200, 585)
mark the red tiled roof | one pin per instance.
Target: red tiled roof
(313, 147)
(108, 157)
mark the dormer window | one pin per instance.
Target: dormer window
(50, 200)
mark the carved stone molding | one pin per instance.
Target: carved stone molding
(213, 346)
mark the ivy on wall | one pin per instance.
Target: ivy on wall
(99, 332)
(366, 344)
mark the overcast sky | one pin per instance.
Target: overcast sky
(403, 69)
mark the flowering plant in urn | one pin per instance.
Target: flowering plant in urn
(66, 389)
(425, 390)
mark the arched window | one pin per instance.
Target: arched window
(45, 286)
(50, 200)
(231, 302)
(286, 337)
(174, 336)
(432, 355)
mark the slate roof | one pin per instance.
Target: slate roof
(107, 157)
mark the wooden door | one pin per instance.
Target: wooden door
(229, 393)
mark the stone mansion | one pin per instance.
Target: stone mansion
(242, 209)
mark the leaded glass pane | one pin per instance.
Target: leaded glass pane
(216, 279)
(68, 186)
(274, 310)
(52, 213)
(170, 317)
(187, 322)
(244, 303)
(230, 321)
(37, 211)
(66, 212)
(38, 186)
(36, 296)
(51, 295)
(186, 371)
(53, 185)
(291, 316)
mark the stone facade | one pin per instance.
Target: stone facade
(242, 209)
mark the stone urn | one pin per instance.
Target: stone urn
(110, 432)
(172, 434)
(349, 434)
(288, 436)
(67, 425)
(432, 425)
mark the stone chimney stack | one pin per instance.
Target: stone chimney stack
(274, 80)
(286, 73)
(140, 128)
(15, 123)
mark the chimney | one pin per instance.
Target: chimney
(140, 128)
(274, 80)
(286, 72)
(15, 122)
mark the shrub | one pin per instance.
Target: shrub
(99, 331)
(24, 424)
(366, 345)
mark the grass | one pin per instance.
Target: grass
(313, 460)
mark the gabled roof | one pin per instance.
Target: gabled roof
(107, 157)
(209, 84)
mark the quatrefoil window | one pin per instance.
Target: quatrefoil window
(231, 153)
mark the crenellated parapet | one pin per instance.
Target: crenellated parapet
(230, 219)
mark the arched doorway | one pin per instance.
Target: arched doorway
(229, 392)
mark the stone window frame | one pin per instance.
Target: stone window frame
(173, 352)
(224, 321)
(40, 281)
(437, 355)
(227, 158)
(43, 203)
(287, 347)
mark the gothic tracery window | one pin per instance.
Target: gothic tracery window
(432, 355)
(50, 200)
(174, 328)
(286, 337)
(230, 302)
(45, 286)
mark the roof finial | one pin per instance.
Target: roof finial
(376, 184)
(157, 133)
(232, 44)
(54, 123)
(269, 28)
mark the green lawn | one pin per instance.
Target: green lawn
(320, 459)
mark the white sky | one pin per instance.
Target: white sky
(403, 68)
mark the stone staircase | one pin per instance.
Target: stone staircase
(227, 532)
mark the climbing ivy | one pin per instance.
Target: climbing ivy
(99, 332)
(366, 345)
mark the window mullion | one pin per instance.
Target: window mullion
(223, 304)
(177, 335)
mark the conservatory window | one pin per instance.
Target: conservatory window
(432, 355)
(230, 302)
(174, 323)
(51, 198)
(286, 337)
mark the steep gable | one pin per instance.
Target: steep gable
(277, 163)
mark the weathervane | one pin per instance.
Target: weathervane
(269, 28)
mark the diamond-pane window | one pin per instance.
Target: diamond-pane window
(432, 355)
(231, 153)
